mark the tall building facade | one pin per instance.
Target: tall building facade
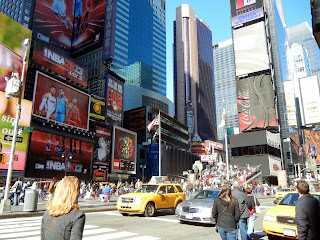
(19, 10)
(193, 74)
(138, 51)
(225, 85)
(302, 34)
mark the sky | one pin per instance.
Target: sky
(216, 13)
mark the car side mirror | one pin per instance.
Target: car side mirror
(275, 201)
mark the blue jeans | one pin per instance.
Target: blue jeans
(251, 225)
(242, 225)
(16, 198)
(227, 234)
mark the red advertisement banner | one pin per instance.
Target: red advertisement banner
(55, 60)
(60, 103)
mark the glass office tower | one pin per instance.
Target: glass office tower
(225, 85)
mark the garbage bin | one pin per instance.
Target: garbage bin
(30, 200)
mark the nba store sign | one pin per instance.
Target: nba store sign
(60, 166)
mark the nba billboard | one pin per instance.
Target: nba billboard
(243, 11)
(256, 103)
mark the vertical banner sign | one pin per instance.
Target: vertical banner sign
(101, 154)
(8, 110)
(153, 160)
(109, 29)
(114, 100)
(124, 151)
(282, 178)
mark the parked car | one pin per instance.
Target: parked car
(280, 221)
(149, 198)
(282, 192)
(197, 209)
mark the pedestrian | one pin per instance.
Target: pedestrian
(252, 202)
(241, 197)
(52, 186)
(307, 210)
(105, 194)
(17, 190)
(226, 213)
(63, 220)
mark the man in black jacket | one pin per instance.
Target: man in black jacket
(307, 210)
(244, 211)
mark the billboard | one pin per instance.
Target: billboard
(53, 22)
(110, 29)
(60, 103)
(88, 25)
(153, 160)
(102, 149)
(250, 49)
(309, 87)
(114, 100)
(53, 59)
(290, 102)
(8, 110)
(51, 155)
(97, 109)
(124, 151)
(243, 11)
(12, 35)
(256, 103)
(274, 165)
(282, 178)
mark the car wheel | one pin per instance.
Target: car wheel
(150, 210)
(272, 237)
(125, 214)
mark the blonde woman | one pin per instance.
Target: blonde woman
(63, 220)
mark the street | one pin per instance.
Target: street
(112, 225)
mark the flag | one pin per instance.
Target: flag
(155, 122)
(223, 122)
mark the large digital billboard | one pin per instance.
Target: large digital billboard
(124, 151)
(243, 11)
(250, 49)
(114, 100)
(102, 150)
(290, 102)
(309, 87)
(8, 108)
(53, 22)
(60, 103)
(53, 59)
(53, 155)
(256, 103)
(97, 109)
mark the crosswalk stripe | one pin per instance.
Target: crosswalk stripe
(19, 234)
(19, 229)
(5, 227)
(143, 238)
(98, 230)
(111, 236)
(90, 227)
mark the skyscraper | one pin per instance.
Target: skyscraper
(302, 34)
(193, 74)
(225, 85)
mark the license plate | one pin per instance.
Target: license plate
(124, 204)
(289, 232)
(189, 216)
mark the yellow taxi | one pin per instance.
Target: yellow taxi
(280, 221)
(149, 198)
(282, 192)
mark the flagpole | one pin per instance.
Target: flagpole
(227, 157)
(159, 144)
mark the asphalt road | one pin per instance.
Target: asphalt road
(112, 225)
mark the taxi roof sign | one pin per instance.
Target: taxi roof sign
(159, 179)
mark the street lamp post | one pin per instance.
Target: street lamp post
(6, 203)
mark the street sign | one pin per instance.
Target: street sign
(29, 129)
(9, 138)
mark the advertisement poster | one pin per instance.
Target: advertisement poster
(114, 100)
(97, 109)
(274, 165)
(53, 59)
(256, 103)
(102, 150)
(53, 22)
(60, 103)
(12, 35)
(282, 178)
(153, 160)
(52, 155)
(250, 49)
(290, 102)
(243, 11)
(124, 151)
(8, 110)
(88, 28)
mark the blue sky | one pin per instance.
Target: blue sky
(216, 13)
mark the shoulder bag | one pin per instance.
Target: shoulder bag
(258, 210)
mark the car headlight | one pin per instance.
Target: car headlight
(138, 200)
(270, 218)
(119, 200)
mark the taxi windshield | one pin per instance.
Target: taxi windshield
(147, 189)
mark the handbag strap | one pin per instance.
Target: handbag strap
(49, 228)
(255, 202)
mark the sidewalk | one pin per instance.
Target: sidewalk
(85, 205)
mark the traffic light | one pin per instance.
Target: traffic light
(3, 158)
